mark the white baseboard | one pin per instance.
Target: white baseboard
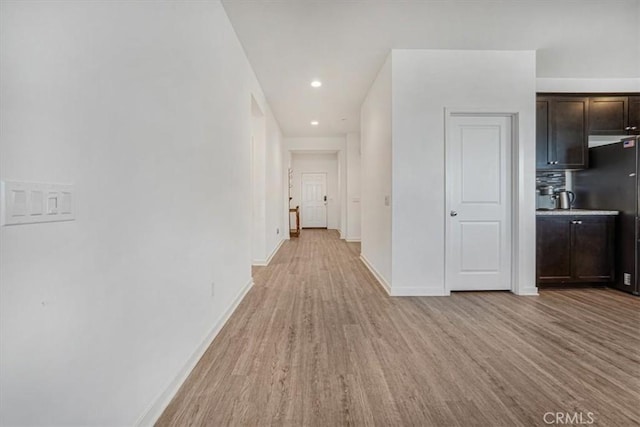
(352, 239)
(412, 291)
(151, 415)
(377, 275)
(265, 262)
(527, 292)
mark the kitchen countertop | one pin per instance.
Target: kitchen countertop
(575, 212)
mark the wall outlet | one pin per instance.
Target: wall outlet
(213, 288)
(627, 279)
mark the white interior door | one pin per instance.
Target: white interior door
(478, 252)
(314, 200)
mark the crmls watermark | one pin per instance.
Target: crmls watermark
(573, 418)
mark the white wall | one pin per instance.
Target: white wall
(353, 187)
(319, 144)
(425, 82)
(145, 107)
(589, 85)
(375, 142)
(318, 163)
(275, 224)
(258, 179)
(267, 192)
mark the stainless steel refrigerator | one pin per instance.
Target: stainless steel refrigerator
(611, 182)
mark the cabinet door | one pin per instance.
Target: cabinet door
(553, 249)
(634, 115)
(608, 115)
(592, 248)
(569, 119)
(542, 134)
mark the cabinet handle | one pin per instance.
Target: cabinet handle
(627, 128)
(633, 128)
(576, 222)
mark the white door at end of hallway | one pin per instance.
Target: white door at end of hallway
(478, 217)
(314, 200)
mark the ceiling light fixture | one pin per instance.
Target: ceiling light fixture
(314, 123)
(316, 83)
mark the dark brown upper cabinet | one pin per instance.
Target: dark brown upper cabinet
(614, 115)
(608, 115)
(562, 132)
(542, 133)
(634, 115)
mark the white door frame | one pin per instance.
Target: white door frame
(326, 189)
(514, 167)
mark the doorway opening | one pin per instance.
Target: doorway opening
(315, 188)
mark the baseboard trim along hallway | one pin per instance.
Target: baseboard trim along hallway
(152, 415)
(377, 275)
(265, 262)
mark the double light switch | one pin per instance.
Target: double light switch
(27, 203)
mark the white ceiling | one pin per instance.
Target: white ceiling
(344, 44)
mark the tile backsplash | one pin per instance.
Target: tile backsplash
(555, 178)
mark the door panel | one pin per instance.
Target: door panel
(593, 249)
(634, 115)
(569, 132)
(542, 134)
(478, 252)
(553, 249)
(480, 164)
(314, 206)
(608, 115)
(477, 257)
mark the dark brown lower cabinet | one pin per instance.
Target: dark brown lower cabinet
(575, 249)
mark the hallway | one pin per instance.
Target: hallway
(318, 342)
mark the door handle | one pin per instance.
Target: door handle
(453, 213)
(325, 198)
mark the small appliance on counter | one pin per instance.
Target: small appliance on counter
(565, 199)
(545, 198)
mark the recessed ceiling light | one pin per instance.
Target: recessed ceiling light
(316, 83)
(314, 123)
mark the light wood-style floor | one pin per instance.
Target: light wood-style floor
(317, 342)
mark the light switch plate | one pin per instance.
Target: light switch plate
(30, 202)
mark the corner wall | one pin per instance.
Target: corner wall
(375, 124)
(146, 108)
(425, 82)
(319, 145)
(353, 202)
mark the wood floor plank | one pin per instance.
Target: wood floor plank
(317, 342)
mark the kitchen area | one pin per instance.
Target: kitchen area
(587, 190)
